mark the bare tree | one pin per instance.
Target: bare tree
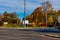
(45, 7)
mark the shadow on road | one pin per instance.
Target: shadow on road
(48, 30)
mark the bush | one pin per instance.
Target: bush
(58, 27)
(1, 23)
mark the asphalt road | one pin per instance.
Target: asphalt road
(17, 34)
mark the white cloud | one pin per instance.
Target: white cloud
(8, 4)
(18, 5)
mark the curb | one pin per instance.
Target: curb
(33, 29)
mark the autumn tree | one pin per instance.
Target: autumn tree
(58, 19)
(41, 13)
(36, 16)
(5, 16)
(11, 18)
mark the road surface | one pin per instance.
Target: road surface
(17, 34)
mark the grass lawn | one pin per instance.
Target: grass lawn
(16, 26)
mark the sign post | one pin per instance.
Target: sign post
(26, 22)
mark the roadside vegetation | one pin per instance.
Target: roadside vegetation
(36, 19)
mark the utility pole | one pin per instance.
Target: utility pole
(55, 20)
(24, 11)
(46, 6)
(17, 17)
(45, 10)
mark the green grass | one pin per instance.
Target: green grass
(20, 26)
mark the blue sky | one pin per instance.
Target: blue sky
(18, 6)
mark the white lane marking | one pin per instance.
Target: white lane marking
(55, 35)
(52, 38)
(39, 35)
(17, 37)
(43, 35)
